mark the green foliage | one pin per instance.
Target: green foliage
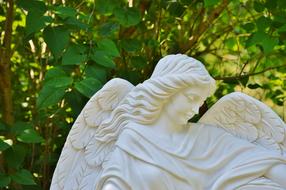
(64, 52)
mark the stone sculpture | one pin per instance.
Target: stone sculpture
(137, 137)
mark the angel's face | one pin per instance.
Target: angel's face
(184, 105)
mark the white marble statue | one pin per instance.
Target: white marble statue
(138, 138)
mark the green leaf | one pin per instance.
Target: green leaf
(20, 126)
(3, 126)
(76, 24)
(35, 22)
(59, 82)
(102, 58)
(3, 145)
(54, 73)
(210, 3)
(96, 71)
(176, 9)
(130, 45)
(23, 177)
(128, 16)
(267, 42)
(56, 38)
(248, 26)
(109, 28)
(109, 47)
(50, 96)
(263, 23)
(15, 156)
(105, 6)
(282, 28)
(30, 136)
(65, 12)
(88, 86)
(258, 7)
(254, 86)
(138, 62)
(4, 180)
(74, 55)
(33, 5)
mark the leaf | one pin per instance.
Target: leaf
(88, 86)
(33, 6)
(54, 73)
(65, 12)
(109, 47)
(14, 156)
(59, 82)
(138, 62)
(96, 71)
(3, 126)
(267, 42)
(282, 28)
(210, 3)
(76, 24)
(130, 45)
(4, 180)
(56, 38)
(50, 96)
(263, 23)
(105, 6)
(23, 177)
(30, 136)
(109, 28)
(74, 55)
(102, 58)
(176, 9)
(3, 145)
(20, 126)
(35, 22)
(254, 86)
(128, 16)
(258, 7)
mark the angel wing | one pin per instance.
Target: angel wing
(75, 168)
(250, 119)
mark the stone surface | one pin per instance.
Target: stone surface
(137, 137)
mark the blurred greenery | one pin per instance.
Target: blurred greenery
(56, 54)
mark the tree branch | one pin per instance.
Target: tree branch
(5, 64)
(238, 77)
(204, 25)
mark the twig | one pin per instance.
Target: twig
(249, 74)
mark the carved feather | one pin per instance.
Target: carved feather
(250, 119)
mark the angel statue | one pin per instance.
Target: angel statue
(138, 137)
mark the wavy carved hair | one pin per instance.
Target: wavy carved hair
(144, 103)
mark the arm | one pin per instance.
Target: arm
(277, 174)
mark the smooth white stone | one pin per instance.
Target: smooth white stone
(137, 137)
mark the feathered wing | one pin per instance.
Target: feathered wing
(76, 168)
(250, 119)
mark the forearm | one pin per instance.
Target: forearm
(277, 174)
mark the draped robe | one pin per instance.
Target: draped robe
(207, 158)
